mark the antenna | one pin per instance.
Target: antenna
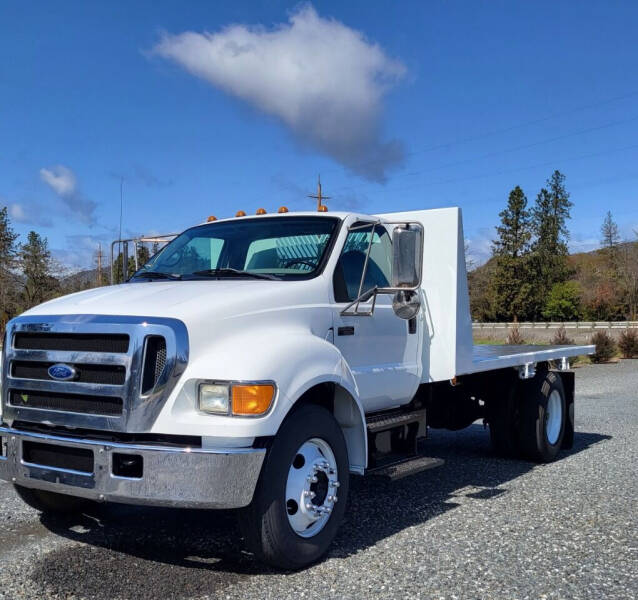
(319, 197)
(99, 265)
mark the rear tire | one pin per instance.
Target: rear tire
(543, 417)
(278, 525)
(50, 502)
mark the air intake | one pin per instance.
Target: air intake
(154, 362)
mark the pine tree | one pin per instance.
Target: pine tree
(550, 215)
(514, 233)
(549, 222)
(37, 265)
(143, 255)
(610, 241)
(510, 287)
(609, 231)
(8, 280)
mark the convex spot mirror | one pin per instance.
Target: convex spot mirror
(406, 305)
(407, 250)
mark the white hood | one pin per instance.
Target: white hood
(184, 300)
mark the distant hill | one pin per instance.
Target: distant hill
(82, 280)
(606, 292)
(594, 259)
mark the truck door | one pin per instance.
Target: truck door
(381, 349)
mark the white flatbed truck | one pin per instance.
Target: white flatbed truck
(256, 362)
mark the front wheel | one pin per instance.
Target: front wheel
(302, 491)
(543, 417)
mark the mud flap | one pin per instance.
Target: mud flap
(568, 379)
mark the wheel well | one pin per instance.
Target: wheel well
(345, 410)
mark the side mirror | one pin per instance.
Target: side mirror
(406, 305)
(407, 250)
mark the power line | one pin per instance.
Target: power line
(508, 129)
(517, 169)
(512, 149)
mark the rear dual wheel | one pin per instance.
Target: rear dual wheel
(543, 417)
(530, 417)
(302, 491)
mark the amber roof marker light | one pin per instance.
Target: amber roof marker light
(240, 213)
(211, 219)
(282, 209)
(261, 211)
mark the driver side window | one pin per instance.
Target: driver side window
(347, 275)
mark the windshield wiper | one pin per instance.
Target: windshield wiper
(156, 275)
(233, 273)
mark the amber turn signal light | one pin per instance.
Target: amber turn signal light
(252, 400)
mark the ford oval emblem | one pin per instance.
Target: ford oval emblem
(62, 372)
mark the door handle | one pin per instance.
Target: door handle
(349, 330)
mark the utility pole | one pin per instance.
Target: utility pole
(319, 197)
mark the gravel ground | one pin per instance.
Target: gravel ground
(478, 527)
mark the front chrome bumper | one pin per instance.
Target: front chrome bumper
(171, 476)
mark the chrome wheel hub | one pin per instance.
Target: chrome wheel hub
(553, 417)
(311, 488)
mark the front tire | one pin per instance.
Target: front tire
(301, 495)
(543, 417)
(50, 502)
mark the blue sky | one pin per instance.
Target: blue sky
(207, 108)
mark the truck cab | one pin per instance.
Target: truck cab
(256, 362)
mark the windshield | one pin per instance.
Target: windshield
(264, 248)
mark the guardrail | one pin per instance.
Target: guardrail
(577, 325)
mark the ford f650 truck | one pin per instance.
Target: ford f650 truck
(256, 362)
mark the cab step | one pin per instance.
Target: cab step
(393, 436)
(385, 421)
(405, 468)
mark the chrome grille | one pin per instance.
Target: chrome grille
(80, 342)
(154, 362)
(123, 370)
(75, 403)
(31, 369)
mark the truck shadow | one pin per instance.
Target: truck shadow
(194, 552)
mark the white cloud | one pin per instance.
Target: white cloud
(33, 214)
(60, 179)
(325, 81)
(63, 182)
(479, 247)
(80, 252)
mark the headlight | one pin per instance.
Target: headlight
(241, 399)
(214, 398)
